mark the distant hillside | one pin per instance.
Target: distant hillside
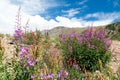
(113, 30)
(55, 32)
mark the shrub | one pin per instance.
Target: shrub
(87, 49)
(110, 27)
(113, 31)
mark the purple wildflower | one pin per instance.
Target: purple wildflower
(66, 73)
(32, 76)
(113, 55)
(85, 38)
(36, 60)
(63, 38)
(28, 57)
(50, 75)
(30, 63)
(44, 77)
(90, 46)
(63, 74)
(60, 74)
(100, 35)
(75, 66)
(23, 51)
(18, 35)
(55, 52)
(70, 48)
(107, 42)
(25, 71)
(73, 35)
(89, 33)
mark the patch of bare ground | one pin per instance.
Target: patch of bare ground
(115, 63)
(9, 50)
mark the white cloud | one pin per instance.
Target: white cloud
(35, 6)
(7, 16)
(104, 16)
(8, 12)
(71, 12)
(97, 22)
(82, 2)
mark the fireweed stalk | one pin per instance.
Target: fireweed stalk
(18, 36)
(26, 62)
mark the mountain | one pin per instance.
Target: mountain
(55, 32)
(113, 30)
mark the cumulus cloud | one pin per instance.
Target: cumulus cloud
(102, 15)
(8, 11)
(34, 7)
(102, 18)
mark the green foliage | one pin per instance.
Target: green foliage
(110, 27)
(86, 50)
(113, 31)
(20, 72)
(75, 74)
(118, 73)
(115, 36)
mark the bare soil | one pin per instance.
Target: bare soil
(115, 63)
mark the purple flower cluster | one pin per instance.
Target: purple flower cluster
(24, 56)
(31, 62)
(55, 52)
(23, 51)
(63, 38)
(49, 76)
(32, 76)
(75, 66)
(18, 35)
(91, 36)
(73, 35)
(63, 74)
(89, 33)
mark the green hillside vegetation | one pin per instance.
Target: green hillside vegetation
(113, 31)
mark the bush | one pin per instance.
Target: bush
(86, 50)
(113, 31)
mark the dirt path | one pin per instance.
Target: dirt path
(116, 56)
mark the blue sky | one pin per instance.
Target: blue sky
(47, 14)
(81, 8)
(72, 8)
